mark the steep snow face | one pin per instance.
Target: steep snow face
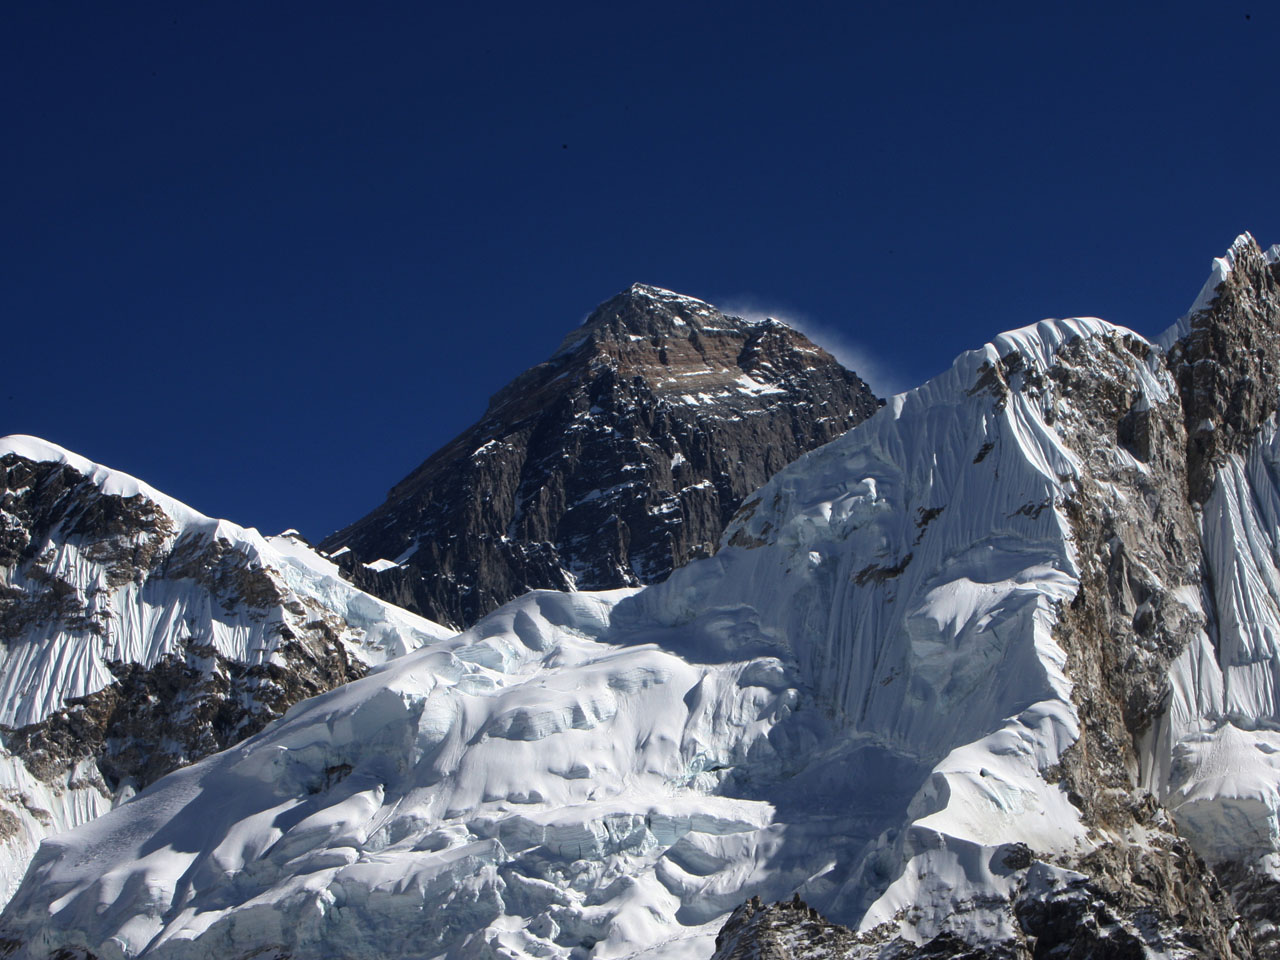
(860, 697)
(139, 634)
(905, 538)
(917, 569)
(1221, 738)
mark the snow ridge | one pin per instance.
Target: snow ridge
(49, 665)
(616, 772)
(1221, 268)
(112, 482)
(106, 581)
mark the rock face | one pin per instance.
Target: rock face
(1226, 360)
(787, 930)
(137, 636)
(614, 462)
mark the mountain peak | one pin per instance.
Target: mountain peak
(617, 460)
(1226, 345)
(1244, 253)
(645, 311)
(654, 292)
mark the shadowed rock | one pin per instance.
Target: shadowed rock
(619, 459)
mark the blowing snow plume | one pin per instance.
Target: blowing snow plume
(882, 378)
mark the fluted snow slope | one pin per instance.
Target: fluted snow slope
(861, 697)
(140, 634)
(141, 622)
(1219, 745)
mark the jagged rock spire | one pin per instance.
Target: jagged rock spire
(1227, 357)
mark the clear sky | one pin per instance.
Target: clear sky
(269, 256)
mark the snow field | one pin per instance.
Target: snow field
(858, 698)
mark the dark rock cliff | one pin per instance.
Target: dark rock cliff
(56, 524)
(1227, 363)
(614, 462)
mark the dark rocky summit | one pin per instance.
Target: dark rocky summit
(609, 465)
(1227, 363)
(787, 930)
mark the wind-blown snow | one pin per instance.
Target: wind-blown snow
(856, 698)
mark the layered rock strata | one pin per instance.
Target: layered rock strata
(611, 464)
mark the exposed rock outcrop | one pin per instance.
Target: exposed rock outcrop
(786, 930)
(1228, 359)
(614, 462)
(137, 636)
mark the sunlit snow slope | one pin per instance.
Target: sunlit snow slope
(139, 634)
(1221, 739)
(858, 697)
(946, 678)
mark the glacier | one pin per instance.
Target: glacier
(978, 669)
(856, 698)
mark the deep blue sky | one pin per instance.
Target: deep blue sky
(270, 256)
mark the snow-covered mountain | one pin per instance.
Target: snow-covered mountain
(993, 674)
(609, 465)
(139, 635)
